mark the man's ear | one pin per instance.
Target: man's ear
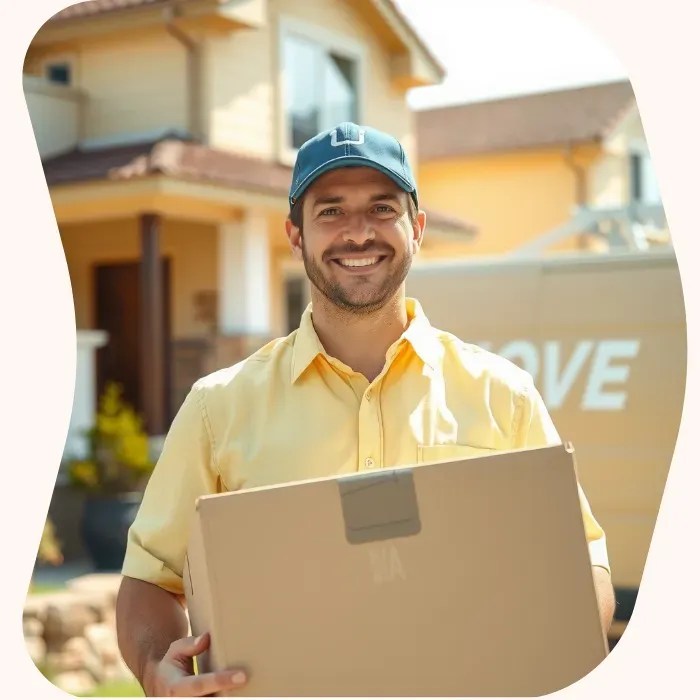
(418, 231)
(294, 235)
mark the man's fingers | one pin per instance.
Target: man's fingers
(208, 683)
(190, 686)
(189, 646)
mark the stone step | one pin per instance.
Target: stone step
(95, 583)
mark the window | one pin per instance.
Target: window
(321, 86)
(636, 177)
(643, 186)
(297, 298)
(58, 73)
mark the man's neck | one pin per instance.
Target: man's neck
(357, 340)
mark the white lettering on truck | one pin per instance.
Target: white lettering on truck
(556, 375)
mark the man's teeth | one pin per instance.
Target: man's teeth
(358, 263)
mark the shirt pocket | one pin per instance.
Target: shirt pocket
(439, 453)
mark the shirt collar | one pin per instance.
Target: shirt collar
(420, 335)
(307, 346)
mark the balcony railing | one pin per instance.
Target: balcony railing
(638, 226)
(55, 113)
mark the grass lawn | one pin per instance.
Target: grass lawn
(39, 588)
(118, 689)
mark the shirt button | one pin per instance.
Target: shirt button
(369, 462)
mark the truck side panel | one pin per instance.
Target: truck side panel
(605, 340)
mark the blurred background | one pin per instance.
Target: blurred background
(167, 130)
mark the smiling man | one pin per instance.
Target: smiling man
(365, 383)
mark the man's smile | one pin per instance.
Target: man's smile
(364, 263)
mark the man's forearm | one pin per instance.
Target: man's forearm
(606, 596)
(149, 620)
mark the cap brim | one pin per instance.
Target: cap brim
(347, 162)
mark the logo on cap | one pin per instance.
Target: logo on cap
(349, 141)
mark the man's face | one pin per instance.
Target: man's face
(357, 240)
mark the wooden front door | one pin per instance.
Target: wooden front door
(117, 309)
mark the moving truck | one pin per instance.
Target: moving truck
(604, 337)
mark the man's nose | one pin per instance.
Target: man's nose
(358, 230)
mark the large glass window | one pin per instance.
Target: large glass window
(321, 88)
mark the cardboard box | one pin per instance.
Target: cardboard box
(457, 578)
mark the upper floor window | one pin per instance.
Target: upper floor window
(321, 85)
(58, 73)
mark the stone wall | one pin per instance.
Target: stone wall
(71, 635)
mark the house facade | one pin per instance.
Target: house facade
(524, 167)
(167, 132)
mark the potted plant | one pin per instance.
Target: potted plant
(113, 476)
(49, 546)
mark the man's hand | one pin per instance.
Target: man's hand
(174, 675)
(151, 630)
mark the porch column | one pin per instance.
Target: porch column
(152, 341)
(85, 397)
(244, 277)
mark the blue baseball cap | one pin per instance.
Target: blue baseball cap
(351, 145)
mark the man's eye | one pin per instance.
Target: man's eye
(330, 212)
(384, 209)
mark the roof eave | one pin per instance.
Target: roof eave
(155, 181)
(450, 227)
(414, 65)
(619, 119)
(462, 234)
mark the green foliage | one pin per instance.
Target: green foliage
(118, 460)
(117, 689)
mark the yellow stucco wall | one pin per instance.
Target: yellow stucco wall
(193, 252)
(609, 181)
(239, 92)
(135, 86)
(511, 197)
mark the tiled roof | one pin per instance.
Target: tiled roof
(98, 7)
(529, 121)
(187, 160)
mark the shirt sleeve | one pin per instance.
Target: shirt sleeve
(158, 538)
(536, 429)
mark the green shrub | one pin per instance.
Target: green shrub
(50, 551)
(119, 460)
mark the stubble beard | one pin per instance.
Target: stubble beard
(370, 300)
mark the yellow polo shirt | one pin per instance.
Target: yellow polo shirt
(290, 412)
